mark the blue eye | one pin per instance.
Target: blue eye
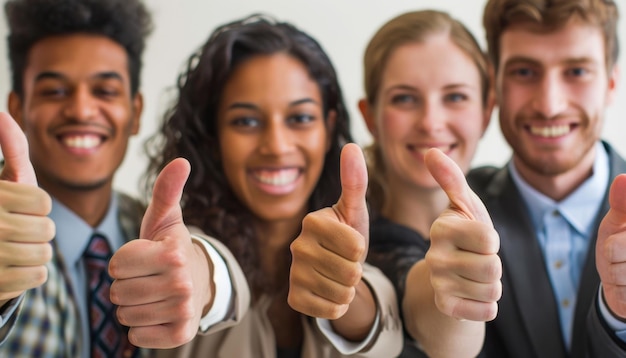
(455, 97)
(577, 71)
(523, 72)
(403, 99)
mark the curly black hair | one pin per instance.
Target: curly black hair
(127, 22)
(190, 131)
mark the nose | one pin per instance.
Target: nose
(432, 116)
(550, 98)
(80, 104)
(276, 138)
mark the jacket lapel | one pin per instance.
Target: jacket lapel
(527, 292)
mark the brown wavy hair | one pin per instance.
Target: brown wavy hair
(500, 14)
(190, 131)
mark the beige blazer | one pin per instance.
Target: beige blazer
(249, 334)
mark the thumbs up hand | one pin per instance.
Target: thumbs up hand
(611, 249)
(162, 280)
(463, 261)
(327, 256)
(25, 229)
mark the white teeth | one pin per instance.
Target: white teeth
(277, 177)
(82, 142)
(550, 132)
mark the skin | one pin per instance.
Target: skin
(26, 228)
(78, 113)
(552, 90)
(427, 100)
(552, 87)
(68, 99)
(273, 139)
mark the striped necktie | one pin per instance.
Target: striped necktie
(108, 337)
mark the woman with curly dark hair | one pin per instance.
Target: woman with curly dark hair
(261, 119)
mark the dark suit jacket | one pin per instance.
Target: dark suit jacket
(527, 324)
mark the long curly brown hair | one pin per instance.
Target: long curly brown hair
(190, 131)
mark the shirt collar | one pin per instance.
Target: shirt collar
(73, 233)
(580, 207)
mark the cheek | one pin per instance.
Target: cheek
(394, 124)
(317, 145)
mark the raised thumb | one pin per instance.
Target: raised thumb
(351, 208)
(452, 180)
(17, 165)
(164, 209)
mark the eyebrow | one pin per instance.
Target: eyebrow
(60, 76)
(459, 85)
(251, 106)
(569, 61)
(401, 87)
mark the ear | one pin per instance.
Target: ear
(331, 122)
(613, 81)
(137, 104)
(366, 111)
(15, 108)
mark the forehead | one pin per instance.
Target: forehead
(574, 40)
(435, 61)
(76, 56)
(270, 79)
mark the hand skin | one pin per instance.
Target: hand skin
(327, 257)
(611, 250)
(163, 281)
(25, 229)
(455, 289)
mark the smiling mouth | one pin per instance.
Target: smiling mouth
(83, 141)
(276, 177)
(553, 131)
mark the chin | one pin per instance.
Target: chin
(84, 185)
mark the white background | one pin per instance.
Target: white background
(343, 27)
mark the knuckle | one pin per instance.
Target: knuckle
(40, 276)
(353, 275)
(311, 222)
(494, 292)
(122, 317)
(346, 296)
(488, 240)
(490, 312)
(182, 287)
(355, 249)
(445, 304)
(297, 247)
(44, 201)
(48, 228)
(335, 311)
(186, 335)
(493, 268)
(174, 258)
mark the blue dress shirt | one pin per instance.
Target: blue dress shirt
(72, 237)
(564, 231)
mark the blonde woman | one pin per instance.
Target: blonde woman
(427, 86)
